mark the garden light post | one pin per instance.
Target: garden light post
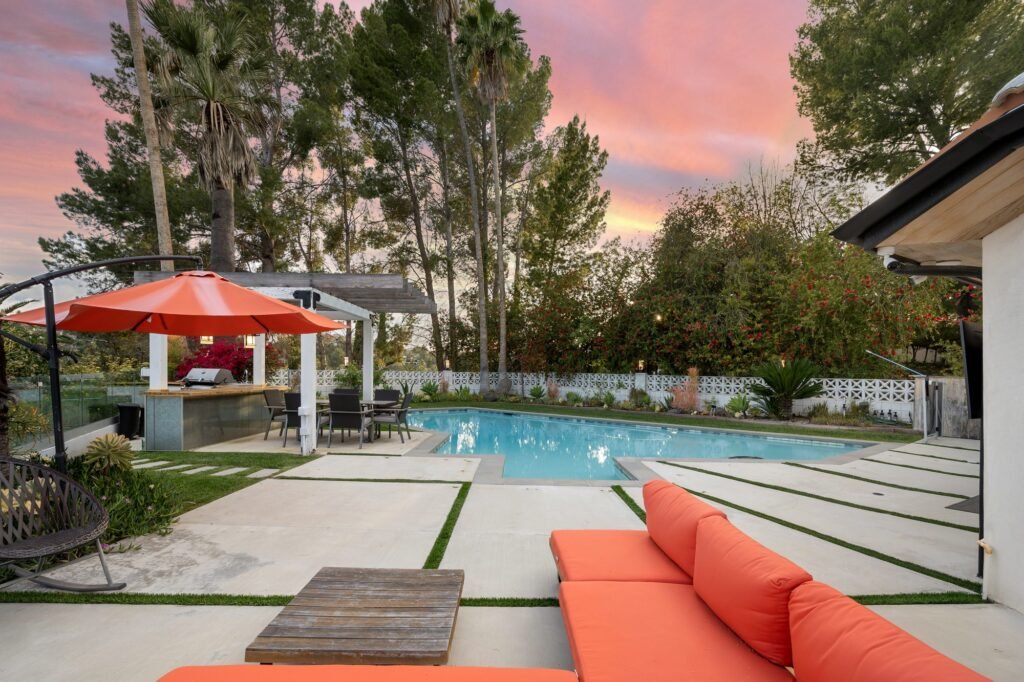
(51, 353)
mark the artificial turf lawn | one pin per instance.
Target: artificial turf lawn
(681, 420)
(441, 543)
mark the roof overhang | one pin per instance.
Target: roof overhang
(374, 293)
(939, 214)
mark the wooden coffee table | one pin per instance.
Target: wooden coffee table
(365, 616)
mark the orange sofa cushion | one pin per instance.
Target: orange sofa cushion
(838, 640)
(362, 673)
(672, 516)
(748, 586)
(654, 632)
(613, 555)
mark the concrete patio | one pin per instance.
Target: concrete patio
(385, 509)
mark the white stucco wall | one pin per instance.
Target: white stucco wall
(1003, 263)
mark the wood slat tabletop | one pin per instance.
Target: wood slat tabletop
(365, 616)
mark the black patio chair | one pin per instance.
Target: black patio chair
(346, 391)
(395, 416)
(347, 413)
(43, 513)
(387, 394)
(276, 407)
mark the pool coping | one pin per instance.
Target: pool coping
(491, 467)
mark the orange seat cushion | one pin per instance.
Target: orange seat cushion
(672, 517)
(613, 555)
(747, 585)
(838, 640)
(654, 632)
(362, 673)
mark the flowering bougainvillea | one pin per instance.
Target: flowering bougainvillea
(229, 355)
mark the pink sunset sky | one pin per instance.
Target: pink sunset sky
(681, 92)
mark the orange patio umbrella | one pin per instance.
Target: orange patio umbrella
(195, 303)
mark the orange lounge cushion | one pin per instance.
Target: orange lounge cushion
(362, 673)
(672, 517)
(747, 585)
(654, 632)
(613, 555)
(835, 639)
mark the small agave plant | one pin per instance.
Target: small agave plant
(110, 451)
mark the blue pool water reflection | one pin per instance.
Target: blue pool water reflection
(538, 446)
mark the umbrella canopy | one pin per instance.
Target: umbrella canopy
(193, 303)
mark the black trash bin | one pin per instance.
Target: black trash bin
(129, 420)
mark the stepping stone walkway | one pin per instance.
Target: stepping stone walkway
(262, 473)
(228, 472)
(150, 465)
(198, 470)
(176, 467)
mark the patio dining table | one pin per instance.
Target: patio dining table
(323, 407)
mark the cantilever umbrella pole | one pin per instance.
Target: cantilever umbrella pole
(52, 353)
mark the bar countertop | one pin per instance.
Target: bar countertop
(218, 392)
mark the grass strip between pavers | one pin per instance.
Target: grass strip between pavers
(149, 599)
(902, 563)
(832, 500)
(919, 598)
(630, 502)
(877, 482)
(508, 601)
(910, 466)
(944, 459)
(441, 544)
(142, 599)
(366, 480)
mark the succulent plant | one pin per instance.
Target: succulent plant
(110, 451)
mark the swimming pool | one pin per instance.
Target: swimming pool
(541, 446)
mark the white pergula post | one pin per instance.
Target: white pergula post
(157, 362)
(369, 333)
(307, 411)
(259, 360)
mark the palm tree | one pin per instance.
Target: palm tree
(156, 167)
(447, 13)
(495, 53)
(784, 383)
(211, 75)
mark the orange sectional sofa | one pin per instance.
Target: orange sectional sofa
(690, 598)
(729, 610)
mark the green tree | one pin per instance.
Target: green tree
(887, 83)
(212, 76)
(495, 54)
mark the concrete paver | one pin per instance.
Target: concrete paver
(518, 637)
(941, 451)
(965, 468)
(984, 637)
(272, 537)
(103, 642)
(409, 468)
(915, 478)
(945, 549)
(150, 465)
(198, 470)
(846, 489)
(846, 570)
(501, 539)
(263, 473)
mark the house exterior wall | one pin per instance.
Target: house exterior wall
(1003, 329)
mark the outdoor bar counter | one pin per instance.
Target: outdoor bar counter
(189, 418)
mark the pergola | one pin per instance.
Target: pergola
(342, 296)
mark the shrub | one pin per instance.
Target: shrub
(573, 398)
(429, 389)
(739, 405)
(608, 399)
(442, 386)
(784, 383)
(553, 390)
(667, 403)
(686, 394)
(109, 452)
(627, 405)
(138, 502)
(818, 411)
(26, 421)
(464, 394)
(229, 355)
(537, 392)
(639, 397)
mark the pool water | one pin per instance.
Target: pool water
(546, 447)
